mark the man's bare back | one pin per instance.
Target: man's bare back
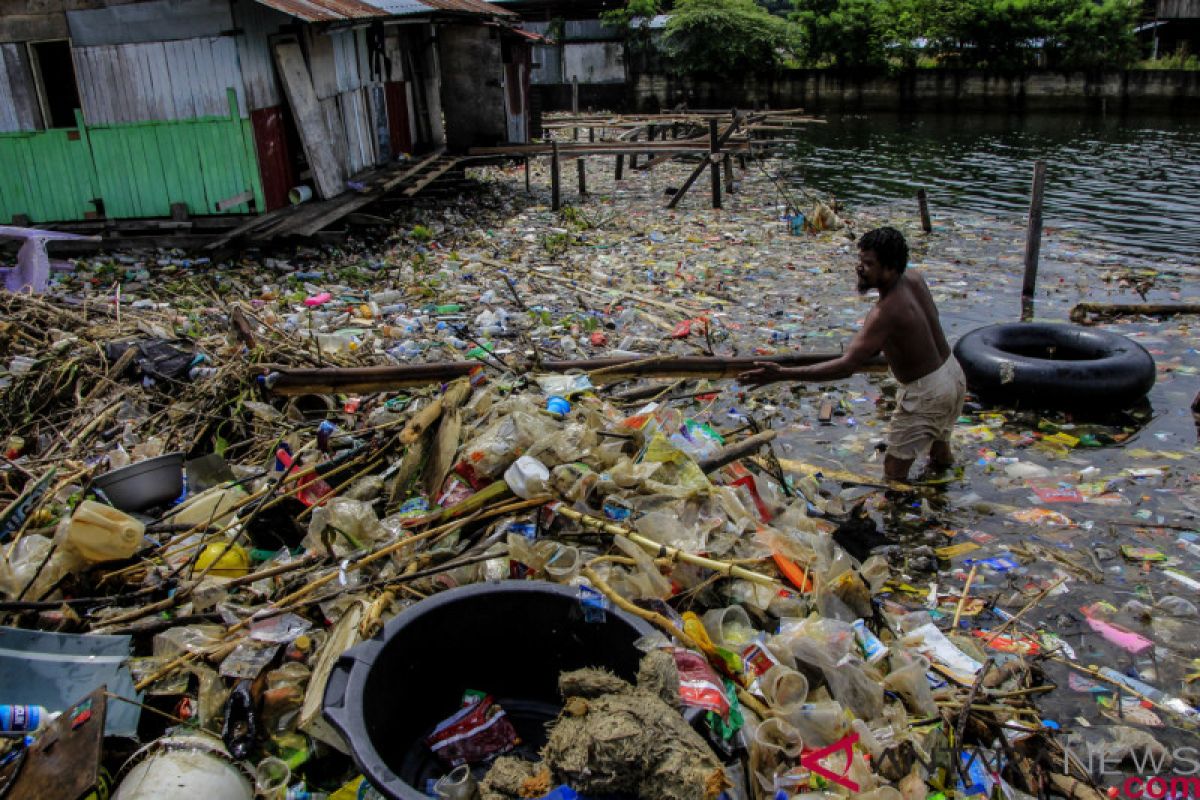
(914, 345)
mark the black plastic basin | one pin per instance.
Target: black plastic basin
(509, 639)
(145, 484)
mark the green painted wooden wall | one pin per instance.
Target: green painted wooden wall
(138, 169)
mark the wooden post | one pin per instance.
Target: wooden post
(527, 174)
(633, 156)
(1033, 236)
(574, 94)
(620, 168)
(554, 187)
(581, 169)
(926, 225)
(714, 150)
(727, 163)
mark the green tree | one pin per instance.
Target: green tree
(843, 33)
(633, 20)
(727, 38)
(993, 34)
(1093, 34)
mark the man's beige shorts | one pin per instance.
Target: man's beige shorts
(926, 410)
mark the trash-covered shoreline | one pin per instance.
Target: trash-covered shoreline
(991, 629)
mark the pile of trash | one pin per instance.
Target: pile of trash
(209, 504)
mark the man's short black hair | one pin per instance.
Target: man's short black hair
(888, 245)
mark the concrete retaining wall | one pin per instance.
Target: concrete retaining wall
(914, 90)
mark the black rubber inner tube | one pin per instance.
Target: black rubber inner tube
(1055, 366)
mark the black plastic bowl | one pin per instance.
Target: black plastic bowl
(509, 639)
(145, 484)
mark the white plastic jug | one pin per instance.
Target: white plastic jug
(102, 533)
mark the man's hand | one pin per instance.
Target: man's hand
(764, 372)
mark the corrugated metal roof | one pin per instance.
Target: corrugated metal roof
(335, 10)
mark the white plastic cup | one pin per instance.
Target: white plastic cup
(564, 564)
(458, 784)
(271, 778)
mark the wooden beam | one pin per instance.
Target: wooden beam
(310, 121)
(293, 381)
(555, 195)
(432, 175)
(717, 145)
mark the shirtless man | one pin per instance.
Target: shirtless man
(904, 325)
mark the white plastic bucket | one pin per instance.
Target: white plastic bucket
(300, 194)
(184, 765)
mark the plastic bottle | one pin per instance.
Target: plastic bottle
(202, 373)
(17, 720)
(213, 507)
(102, 533)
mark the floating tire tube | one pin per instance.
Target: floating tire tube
(1054, 366)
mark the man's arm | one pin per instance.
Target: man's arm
(864, 346)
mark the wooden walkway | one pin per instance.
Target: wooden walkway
(309, 218)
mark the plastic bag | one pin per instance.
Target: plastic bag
(665, 527)
(1177, 606)
(196, 639)
(355, 522)
(907, 679)
(819, 724)
(659, 586)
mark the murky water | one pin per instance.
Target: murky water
(1131, 182)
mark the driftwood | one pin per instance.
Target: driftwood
(731, 453)
(1082, 311)
(331, 380)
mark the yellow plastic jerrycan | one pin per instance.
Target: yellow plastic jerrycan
(102, 533)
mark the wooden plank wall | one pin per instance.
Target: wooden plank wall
(338, 63)
(258, 23)
(46, 175)
(19, 110)
(175, 80)
(138, 170)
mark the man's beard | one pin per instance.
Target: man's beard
(863, 286)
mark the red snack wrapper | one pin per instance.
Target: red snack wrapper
(474, 734)
(699, 685)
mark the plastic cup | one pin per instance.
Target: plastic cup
(271, 778)
(730, 627)
(784, 687)
(564, 564)
(458, 784)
